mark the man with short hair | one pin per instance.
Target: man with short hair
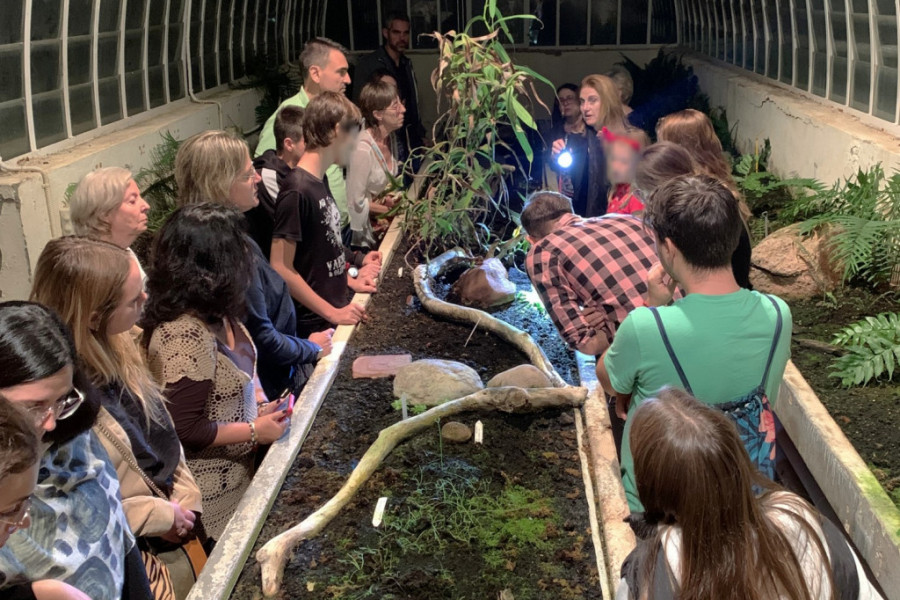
(391, 57)
(325, 69)
(273, 167)
(589, 273)
(307, 250)
(724, 344)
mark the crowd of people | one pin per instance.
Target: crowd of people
(137, 400)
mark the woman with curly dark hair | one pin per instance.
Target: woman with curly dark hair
(198, 348)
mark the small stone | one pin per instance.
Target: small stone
(486, 285)
(377, 367)
(432, 382)
(523, 376)
(566, 418)
(455, 431)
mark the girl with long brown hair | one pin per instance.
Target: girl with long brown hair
(97, 290)
(712, 536)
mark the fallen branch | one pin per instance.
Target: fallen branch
(275, 553)
(424, 277)
(820, 346)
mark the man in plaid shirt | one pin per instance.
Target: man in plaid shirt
(589, 273)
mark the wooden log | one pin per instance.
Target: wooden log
(275, 553)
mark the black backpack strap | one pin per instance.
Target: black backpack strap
(843, 565)
(668, 344)
(779, 325)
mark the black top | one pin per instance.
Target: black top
(261, 219)
(307, 215)
(593, 194)
(740, 260)
(156, 447)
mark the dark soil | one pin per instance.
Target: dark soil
(869, 416)
(535, 455)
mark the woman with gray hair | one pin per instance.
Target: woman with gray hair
(107, 205)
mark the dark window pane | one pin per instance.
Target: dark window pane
(134, 92)
(886, 94)
(45, 67)
(10, 74)
(79, 61)
(367, 25)
(108, 55)
(155, 80)
(14, 140)
(176, 81)
(134, 49)
(45, 19)
(174, 44)
(80, 17)
(157, 12)
(634, 22)
(12, 22)
(803, 44)
(209, 71)
(154, 46)
(81, 108)
(664, 26)
(110, 105)
(573, 22)
(336, 19)
(603, 23)
(49, 125)
(134, 14)
(109, 15)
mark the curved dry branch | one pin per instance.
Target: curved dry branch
(275, 553)
(424, 276)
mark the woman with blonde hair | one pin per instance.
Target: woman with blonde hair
(601, 106)
(107, 205)
(714, 527)
(96, 289)
(285, 360)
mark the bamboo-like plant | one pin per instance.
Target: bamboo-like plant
(483, 95)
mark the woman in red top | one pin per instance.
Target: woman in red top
(623, 152)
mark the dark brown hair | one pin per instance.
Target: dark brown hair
(322, 116)
(661, 162)
(700, 215)
(541, 209)
(692, 471)
(19, 444)
(288, 124)
(376, 96)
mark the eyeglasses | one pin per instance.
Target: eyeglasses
(62, 408)
(567, 99)
(15, 519)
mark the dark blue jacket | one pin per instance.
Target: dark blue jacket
(272, 323)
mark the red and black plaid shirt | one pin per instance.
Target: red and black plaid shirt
(601, 263)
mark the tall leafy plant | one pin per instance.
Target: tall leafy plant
(157, 181)
(484, 102)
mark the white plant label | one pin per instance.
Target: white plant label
(479, 432)
(403, 407)
(400, 272)
(379, 511)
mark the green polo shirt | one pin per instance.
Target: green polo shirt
(335, 173)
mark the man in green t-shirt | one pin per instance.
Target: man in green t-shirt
(325, 69)
(721, 334)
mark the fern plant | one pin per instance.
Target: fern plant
(157, 181)
(873, 350)
(758, 186)
(485, 96)
(863, 216)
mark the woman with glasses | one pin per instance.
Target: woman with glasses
(19, 464)
(373, 164)
(78, 533)
(568, 133)
(97, 289)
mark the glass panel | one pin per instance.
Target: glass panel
(81, 108)
(134, 92)
(335, 25)
(886, 98)
(12, 22)
(247, 26)
(49, 125)
(772, 45)
(110, 106)
(79, 62)
(820, 57)
(196, 74)
(10, 74)
(732, 26)
(664, 25)
(45, 19)
(801, 20)
(886, 74)
(155, 79)
(134, 49)
(634, 22)
(573, 22)
(838, 18)
(862, 65)
(176, 81)
(107, 55)
(209, 70)
(134, 16)
(786, 53)
(14, 140)
(80, 17)
(224, 37)
(749, 45)
(45, 67)
(154, 46)
(109, 15)
(603, 22)
(157, 12)
(760, 43)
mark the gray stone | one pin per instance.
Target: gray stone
(455, 431)
(523, 376)
(485, 285)
(377, 367)
(432, 382)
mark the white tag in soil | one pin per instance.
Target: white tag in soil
(400, 272)
(379, 511)
(479, 432)
(403, 407)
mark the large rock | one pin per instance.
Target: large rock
(523, 376)
(794, 267)
(377, 367)
(485, 285)
(432, 382)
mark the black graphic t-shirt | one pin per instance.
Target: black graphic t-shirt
(307, 215)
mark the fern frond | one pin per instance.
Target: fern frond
(873, 346)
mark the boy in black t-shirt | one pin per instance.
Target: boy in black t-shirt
(307, 250)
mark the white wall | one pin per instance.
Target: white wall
(810, 137)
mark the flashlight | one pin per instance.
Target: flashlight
(564, 160)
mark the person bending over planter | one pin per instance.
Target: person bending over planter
(97, 289)
(199, 350)
(716, 528)
(695, 132)
(726, 345)
(79, 534)
(307, 250)
(274, 166)
(284, 360)
(19, 464)
(107, 205)
(374, 161)
(667, 160)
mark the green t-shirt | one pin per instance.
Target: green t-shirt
(335, 174)
(722, 343)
